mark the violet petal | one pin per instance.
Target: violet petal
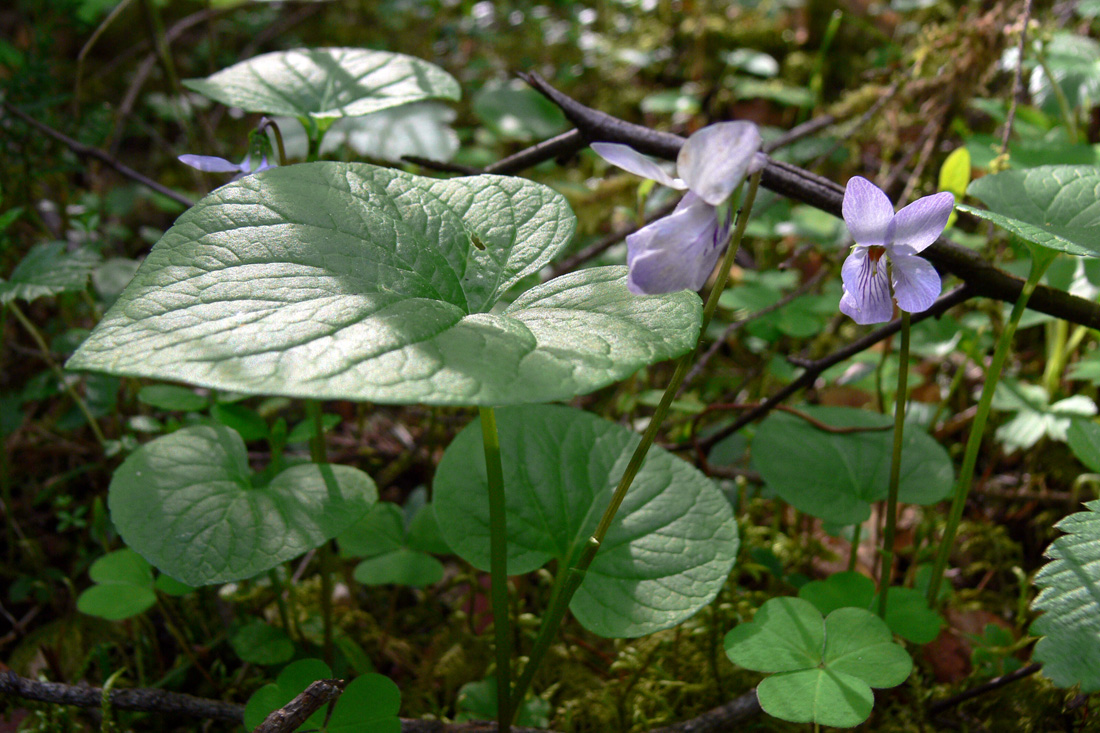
(923, 221)
(916, 282)
(715, 160)
(630, 160)
(867, 211)
(866, 288)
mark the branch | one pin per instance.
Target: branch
(287, 718)
(89, 152)
(981, 278)
(987, 686)
(814, 369)
(143, 699)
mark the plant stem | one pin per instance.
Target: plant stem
(498, 564)
(40, 340)
(854, 554)
(324, 554)
(1058, 335)
(575, 574)
(1040, 260)
(895, 467)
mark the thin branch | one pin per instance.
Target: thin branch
(294, 713)
(143, 699)
(89, 152)
(981, 278)
(814, 369)
(722, 718)
(562, 146)
(987, 686)
(1016, 80)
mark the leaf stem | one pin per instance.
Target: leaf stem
(900, 398)
(40, 340)
(498, 565)
(324, 554)
(575, 574)
(1040, 260)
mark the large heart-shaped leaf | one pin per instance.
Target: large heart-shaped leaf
(326, 82)
(1070, 600)
(348, 281)
(1055, 206)
(850, 469)
(186, 503)
(669, 550)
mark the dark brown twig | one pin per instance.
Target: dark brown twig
(982, 278)
(987, 686)
(90, 152)
(143, 699)
(562, 146)
(814, 369)
(294, 713)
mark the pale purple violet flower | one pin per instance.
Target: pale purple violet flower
(879, 231)
(679, 251)
(214, 164)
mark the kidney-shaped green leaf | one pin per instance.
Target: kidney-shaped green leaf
(185, 502)
(123, 586)
(1055, 206)
(850, 470)
(348, 281)
(326, 82)
(1069, 597)
(669, 550)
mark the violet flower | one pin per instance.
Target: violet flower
(214, 164)
(879, 231)
(679, 251)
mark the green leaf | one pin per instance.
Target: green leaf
(421, 129)
(260, 643)
(382, 529)
(515, 111)
(826, 666)
(186, 503)
(839, 590)
(1074, 61)
(326, 82)
(1035, 418)
(171, 397)
(123, 587)
(369, 703)
(373, 284)
(955, 172)
(48, 269)
(478, 701)
(816, 695)
(294, 678)
(401, 567)
(851, 470)
(787, 634)
(244, 420)
(1083, 437)
(669, 550)
(1070, 598)
(1054, 206)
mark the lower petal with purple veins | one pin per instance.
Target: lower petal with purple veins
(676, 252)
(866, 286)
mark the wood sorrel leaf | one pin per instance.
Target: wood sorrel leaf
(825, 667)
(907, 611)
(1054, 206)
(669, 550)
(294, 678)
(186, 503)
(326, 82)
(851, 470)
(348, 281)
(369, 703)
(1070, 600)
(123, 586)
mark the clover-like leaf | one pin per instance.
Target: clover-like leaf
(370, 702)
(260, 643)
(667, 554)
(326, 82)
(1054, 206)
(186, 503)
(907, 611)
(1035, 417)
(1069, 596)
(336, 280)
(381, 537)
(824, 667)
(123, 586)
(48, 269)
(478, 701)
(851, 470)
